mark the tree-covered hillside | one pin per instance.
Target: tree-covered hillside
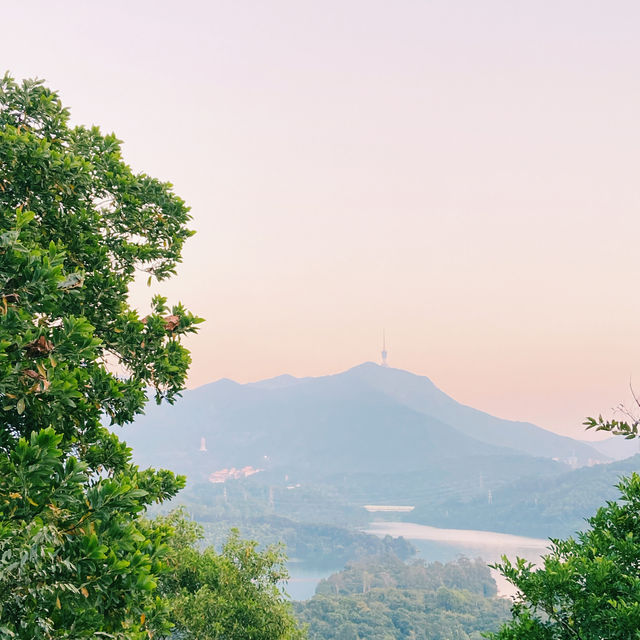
(385, 599)
(315, 545)
(533, 506)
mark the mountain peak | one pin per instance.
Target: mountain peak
(371, 371)
(278, 382)
(364, 419)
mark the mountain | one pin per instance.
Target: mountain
(420, 394)
(616, 447)
(367, 420)
(329, 425)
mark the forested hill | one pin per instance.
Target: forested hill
(533, 506)
(383, 598)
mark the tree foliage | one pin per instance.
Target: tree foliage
(382, 598)
(388, 570)
(232, 595)
(627, 427)
(587, 587)
(76, 226)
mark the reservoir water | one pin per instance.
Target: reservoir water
(434, 544)
(443, 545)
(303, 579)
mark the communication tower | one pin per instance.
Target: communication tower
(384, 350)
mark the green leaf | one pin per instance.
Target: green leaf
(23, 218)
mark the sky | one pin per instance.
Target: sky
(461, 174)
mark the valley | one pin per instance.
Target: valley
(299, 461)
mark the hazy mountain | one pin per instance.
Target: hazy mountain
(285, 380)
(420, 394)
(328, 425)
(616, 447)
(366, 420)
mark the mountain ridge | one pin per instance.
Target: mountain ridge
(367, 418)
(465, 418)
(456, 414)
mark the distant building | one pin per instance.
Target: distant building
(572, 461)
(203, 444)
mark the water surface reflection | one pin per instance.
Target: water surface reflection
(443, 545)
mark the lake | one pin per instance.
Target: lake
(443, 545)
(303, 579)
(434, 544)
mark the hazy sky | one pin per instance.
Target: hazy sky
(463, 174)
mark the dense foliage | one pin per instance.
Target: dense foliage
(320, 545)
(588, 587)
(389, 571)
(232, 595)
(385, 599)
(76, 225)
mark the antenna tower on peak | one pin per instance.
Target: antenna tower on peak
(384, 350)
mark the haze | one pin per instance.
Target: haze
(463, 174)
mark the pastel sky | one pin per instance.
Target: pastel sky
(463, 174)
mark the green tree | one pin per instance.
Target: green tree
(76, 226)
(587, 587)
(404, 602)
(232, 595)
